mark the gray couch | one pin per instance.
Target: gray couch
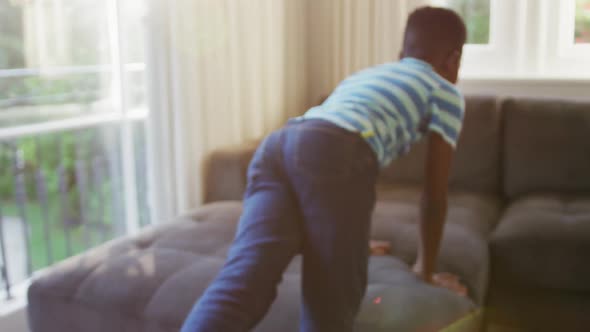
(518, 235)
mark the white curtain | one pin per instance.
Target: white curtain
(223, 72)
(348, 35)
(226, 71)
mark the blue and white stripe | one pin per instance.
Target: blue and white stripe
(394, 105)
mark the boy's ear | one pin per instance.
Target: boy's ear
(454, 60)
(450, 66)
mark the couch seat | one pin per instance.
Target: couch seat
(464, 249)
(149, 283)
(542, 241)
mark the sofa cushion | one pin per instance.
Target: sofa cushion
(464, 249)
(544, 241)
(150, 282)
(396, 300)
(225, 172)
(476, 165)
(547, 147)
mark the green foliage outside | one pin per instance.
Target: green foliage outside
(66, 215)
(36, 90)
(88, 218)
(58, 234)
(476, 14)
(582, 32)
(63, 210)
(11, 41)
(41, 154)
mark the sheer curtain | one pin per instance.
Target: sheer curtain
(223, 72)
(226, 71)
(347, 35)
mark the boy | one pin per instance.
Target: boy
(311, 185)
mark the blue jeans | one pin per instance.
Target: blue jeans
(311, 190)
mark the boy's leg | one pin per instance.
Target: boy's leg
(333, 174)
(335, 257)
(268, 237)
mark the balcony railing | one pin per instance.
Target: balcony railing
(61, 189)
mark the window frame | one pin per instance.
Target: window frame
(568, 51)
(569, 11)
(557, 54)
(494, 58)
(120, 110)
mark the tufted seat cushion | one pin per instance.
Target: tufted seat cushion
(150, 282)
(542, 241)
(464, 249)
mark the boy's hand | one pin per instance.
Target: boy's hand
(444, 280)
(379, 248)
(450, 282)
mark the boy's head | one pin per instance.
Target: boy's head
(436, 35)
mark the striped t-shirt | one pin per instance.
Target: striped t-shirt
(394, 105)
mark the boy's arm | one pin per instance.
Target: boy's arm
(433, 208)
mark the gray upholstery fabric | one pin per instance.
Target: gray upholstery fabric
(397, 301)
(476, 166)
(464, 249)
(225, 172)
(547, 147)
(150, 282)
(544, 241)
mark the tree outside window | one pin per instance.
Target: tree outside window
(476, 14)
(582, 30)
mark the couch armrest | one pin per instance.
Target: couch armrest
(225, 172)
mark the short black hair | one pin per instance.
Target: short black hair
(433, 32)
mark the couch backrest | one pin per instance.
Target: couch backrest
(546, 146)
(512, 147)
(476, 165)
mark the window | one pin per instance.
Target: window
(566, 39)
(525, 39)
(53, 56)
(73, 110)
(476, 14)
(57, 59)
(489, 34)
(582, 27)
